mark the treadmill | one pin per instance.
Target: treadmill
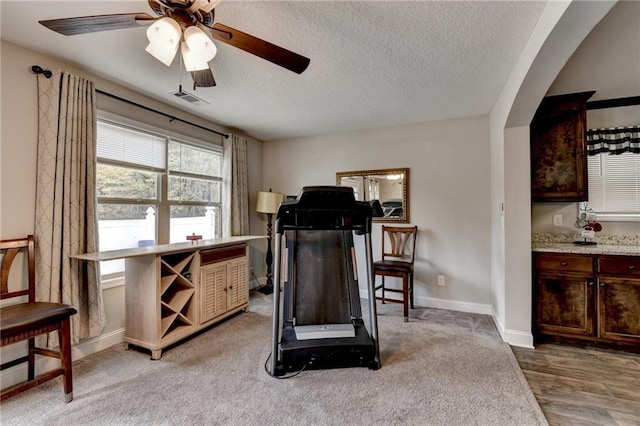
(320, 324)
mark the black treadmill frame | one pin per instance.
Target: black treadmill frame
(324, 208)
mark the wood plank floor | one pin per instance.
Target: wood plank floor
(583, 386)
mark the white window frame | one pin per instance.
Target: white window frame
(162, 203)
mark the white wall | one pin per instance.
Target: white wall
(449, 195)
(18, 133)
(608, 60)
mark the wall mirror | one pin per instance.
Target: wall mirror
(390, 186)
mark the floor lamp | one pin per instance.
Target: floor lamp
(268, 202)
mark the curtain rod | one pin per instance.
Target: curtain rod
(37, 69)
(614, 103)
(171, 117)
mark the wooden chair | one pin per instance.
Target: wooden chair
(25, 321)
(398, 254)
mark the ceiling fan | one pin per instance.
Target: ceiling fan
(189, 21)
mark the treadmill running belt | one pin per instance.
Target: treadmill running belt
(321, 286)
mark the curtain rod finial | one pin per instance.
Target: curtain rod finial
(37, 69)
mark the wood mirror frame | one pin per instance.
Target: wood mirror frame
(392, 186)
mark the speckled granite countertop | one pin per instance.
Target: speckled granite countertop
(563, 243)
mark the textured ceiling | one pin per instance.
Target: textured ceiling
(373, 63)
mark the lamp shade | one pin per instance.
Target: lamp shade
(163, 52)
(164, 38)
(269, 202)
(191, 63)
(199, 44)
(164, 30)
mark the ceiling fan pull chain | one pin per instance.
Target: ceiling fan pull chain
(180, 75)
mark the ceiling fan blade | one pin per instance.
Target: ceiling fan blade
(203, 78)
(272, 53)
(94, 24)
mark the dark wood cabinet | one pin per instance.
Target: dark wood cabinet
(619, 298)
(563, 304)
(564, 287)
(589, 298)
(558, 149)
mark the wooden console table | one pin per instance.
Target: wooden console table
(175, 290)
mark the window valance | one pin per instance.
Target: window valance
(614, 140)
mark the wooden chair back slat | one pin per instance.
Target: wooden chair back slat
(401, 242)
(11, 248)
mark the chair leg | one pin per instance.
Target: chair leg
(382, 288)
(64, 340)
(405, 296)
(31, 364)
(411, 290)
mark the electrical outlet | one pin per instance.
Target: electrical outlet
(440, 279)
(557, 220)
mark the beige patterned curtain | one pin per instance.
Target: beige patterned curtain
(66, 221)
(235, 196)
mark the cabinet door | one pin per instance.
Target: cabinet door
(619, 309)
(213, 295)
(565, 304)
(237, 283)
(558, 149)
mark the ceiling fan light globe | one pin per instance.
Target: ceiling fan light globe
(200, 44)
(191, 61)
(164, 52)
(165, 30)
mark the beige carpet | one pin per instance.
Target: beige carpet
(441, 368)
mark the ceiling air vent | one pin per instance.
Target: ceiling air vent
(188, 97)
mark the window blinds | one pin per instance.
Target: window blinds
(614, 183)
(125, 145)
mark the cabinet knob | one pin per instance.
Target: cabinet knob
(590, 283)
(603, 284)
(563, 263)
(632, 267)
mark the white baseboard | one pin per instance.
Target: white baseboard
(452, 305)
(519, 338)
(17, 374)
(512, 337)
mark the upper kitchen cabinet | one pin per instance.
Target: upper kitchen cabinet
(558, 149)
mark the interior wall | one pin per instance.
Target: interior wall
(518, 226)
(608, 59)
(511, 106)
(449, 195)
(18, 131)
(560, 30)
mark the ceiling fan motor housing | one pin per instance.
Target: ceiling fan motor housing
(180, 12)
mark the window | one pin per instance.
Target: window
(614, 185)
(154, 188)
